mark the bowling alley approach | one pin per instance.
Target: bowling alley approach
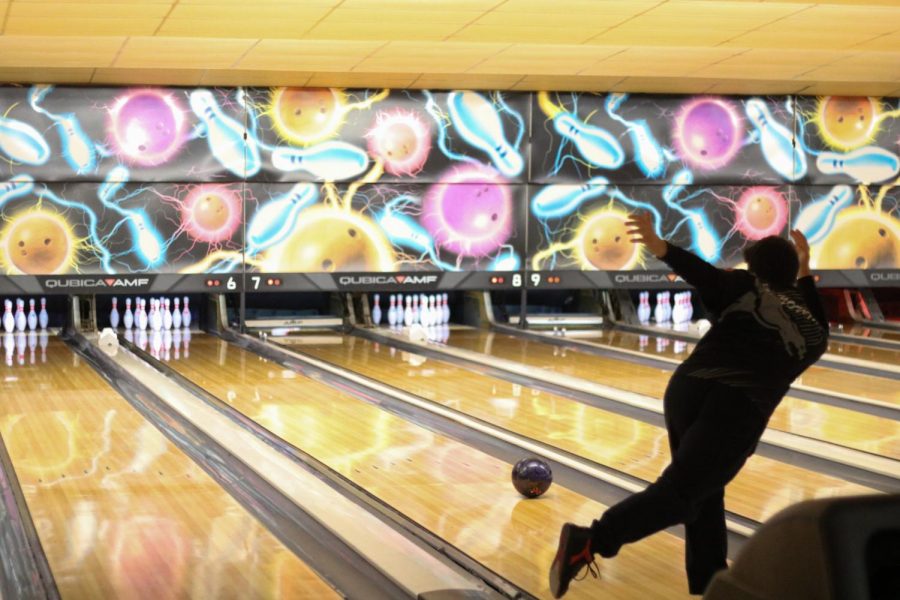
(494, 299)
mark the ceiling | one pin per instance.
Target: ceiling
(678, 46)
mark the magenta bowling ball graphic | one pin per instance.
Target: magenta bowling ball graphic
(147, 127)
(708, 132)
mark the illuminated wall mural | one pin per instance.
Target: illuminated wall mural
(283, 180)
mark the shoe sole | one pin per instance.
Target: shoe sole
(556, 567)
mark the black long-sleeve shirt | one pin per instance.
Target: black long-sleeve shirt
(761, 339)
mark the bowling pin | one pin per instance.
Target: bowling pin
(176, 314)
(186, 316)
(32, 315)
(142, 314)
(392, 311)
(327, 161)
(659, 312)
(376, 311)
(128, 317)
(415, 309)
(276, 219)
(114, 314)
(227, 142)
(478, 123)
(9, 321)
(690, 306)
(776, 142)
(643, 311)
(436, 316)
(408, 313)
(156, 319)
(21, 320)
(869, 164)
(22, 143)
(424, 317)
(446, 309)
(43, 317)
(596, 145)
(167, 315)
(817, 218)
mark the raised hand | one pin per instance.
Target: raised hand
(641, 230)
(802, 252)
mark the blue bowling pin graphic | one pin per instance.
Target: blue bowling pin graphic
(328, 161)
(114, 182)
(506, 260)
(275, 219)
(149, 243)
(226, 136)
(597, 146)
(18, 186)
(706, 242)
(650, 156)
(870, 164)
(403, 230)
(479, 124)
(77, 148)
(556, 201)
(22, 143)
(776, 142)
(816, 220)
(680, 181)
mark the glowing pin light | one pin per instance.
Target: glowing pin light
(681, 180)
(596, 145)
(706, 242)
(18, 186)
(328, 161)
(816, 220)
(555, 201)
(226, 136)
(77, 148)
(506, 260)
(776, 142)
(275, 219)
(149, 243)
(650, 156)
(404, 231)
(866, 165)
(478, 122)
(22, 143)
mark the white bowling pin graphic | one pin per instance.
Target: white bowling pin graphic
(870, 164)
(776, 142)
(176, 314)
(225, 136)
(275, 219)
(328, 161)
(167, 315)
(43, 317)
(22, 143)
(408, 312)
(816, 219)
(561, 200)
(32, 315)
(114, 314)
(479, 124)
(376, 311)
(597, 146)
(186, 319)
(128, 317)
(392, 311)
(9, 321)
(21, 320)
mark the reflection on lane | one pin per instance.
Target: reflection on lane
(462, 495)
(608, 438)
(119, 510)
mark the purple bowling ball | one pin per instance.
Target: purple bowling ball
(532, 477)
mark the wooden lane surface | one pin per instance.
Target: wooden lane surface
(841, 426)
(460, 494)
(883, 389)
(119, 510)
(868, 332)
(763, 487)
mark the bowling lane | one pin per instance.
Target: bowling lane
(119, 510)
(882, 389)
(840, 426)
(764, 487)
(462, 495)
(867, 332)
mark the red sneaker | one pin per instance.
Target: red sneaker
(573, 555)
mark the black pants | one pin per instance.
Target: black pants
(713, 429)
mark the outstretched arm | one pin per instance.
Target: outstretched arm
(805, 283)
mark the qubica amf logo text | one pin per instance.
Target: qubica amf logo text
(104, 282)
(387, 279)
(645, 278)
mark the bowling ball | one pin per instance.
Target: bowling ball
(532, 477)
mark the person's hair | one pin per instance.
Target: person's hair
(774, 261)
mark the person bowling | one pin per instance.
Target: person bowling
(768, 327)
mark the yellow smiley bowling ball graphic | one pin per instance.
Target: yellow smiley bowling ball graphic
(38, 243)
(604, 243)
(862, 238)
(331, 240)
(305, 116)
(847, 123)
(211, 212)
